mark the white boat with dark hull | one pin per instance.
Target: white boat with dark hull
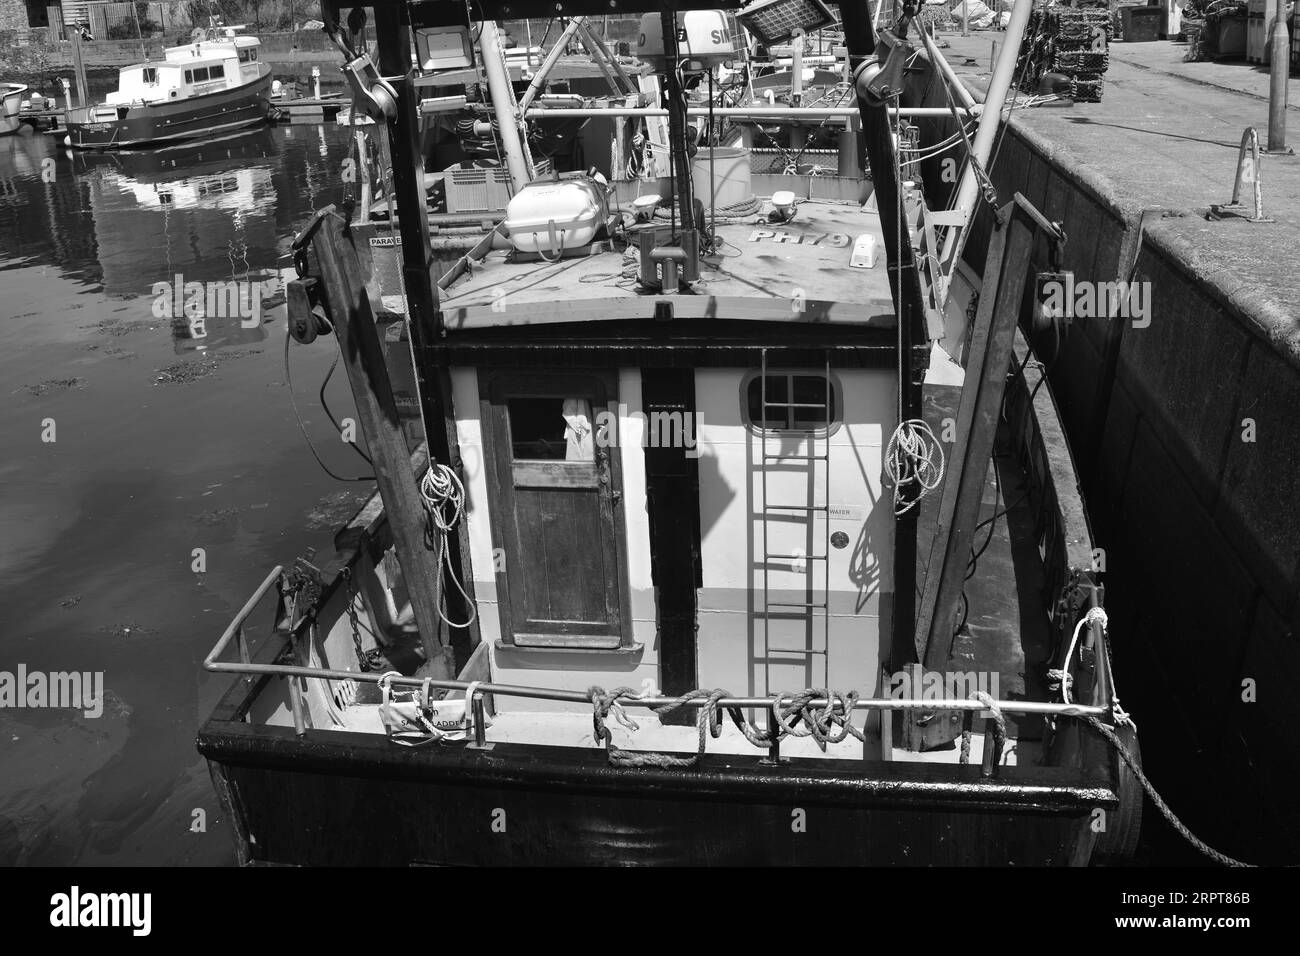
(11, 99)
(212, 86)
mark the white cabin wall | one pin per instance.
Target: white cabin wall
(563, 669)
(732, 651)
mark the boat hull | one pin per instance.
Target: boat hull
(522, 805)
(173, 121)
(11, 98)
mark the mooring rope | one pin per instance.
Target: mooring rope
(829, 724)
(1113, 739)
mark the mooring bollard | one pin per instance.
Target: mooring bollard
(1247, 173)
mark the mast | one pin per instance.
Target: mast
(860, 41)
(503, 106)
(990, 119)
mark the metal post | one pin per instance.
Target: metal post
(677, 123)
(774, 730)
(989, 764)
(296, 705)
(503, 105)
(548, 62)
(480, 720)
(1278, 76)
(990, 119)
(796, 67)
(965, 18)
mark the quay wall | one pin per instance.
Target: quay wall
(1186, 439)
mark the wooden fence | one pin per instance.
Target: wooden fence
(109, 21)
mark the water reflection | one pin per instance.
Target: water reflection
(137, 225)
(99, 528)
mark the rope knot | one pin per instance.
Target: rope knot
(1097, 615)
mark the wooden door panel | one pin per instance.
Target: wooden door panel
(555, 519)
(564, 569)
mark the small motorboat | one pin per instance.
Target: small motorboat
(212, 86)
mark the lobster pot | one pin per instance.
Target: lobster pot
(730, 182)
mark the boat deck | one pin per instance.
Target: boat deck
(573, 729)
(794, 271)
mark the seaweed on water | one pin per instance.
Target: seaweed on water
(54, 385)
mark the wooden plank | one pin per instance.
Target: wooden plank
(363, 358)
(977, 420)
(425, 323)
(554, 474)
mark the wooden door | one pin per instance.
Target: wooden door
(556, 489)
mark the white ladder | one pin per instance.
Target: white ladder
(783, 511)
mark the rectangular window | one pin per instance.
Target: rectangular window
(189, 76)
(149, 75)
(201, 75)
(550, 429)
(795, 401)
(217, 73)
(244, 56)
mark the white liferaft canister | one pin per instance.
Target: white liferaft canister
(549, 217)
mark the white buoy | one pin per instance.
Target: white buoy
(67, 141)
(276, 87)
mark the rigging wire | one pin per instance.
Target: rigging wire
(288, 378)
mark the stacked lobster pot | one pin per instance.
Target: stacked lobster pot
(1072, 43)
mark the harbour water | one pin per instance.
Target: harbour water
(176, 474)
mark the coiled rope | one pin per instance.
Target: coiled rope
(829, 724)
(444, 502)
(913, 454)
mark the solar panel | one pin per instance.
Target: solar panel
(775, 21)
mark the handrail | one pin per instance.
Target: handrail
(578, 697)
(757, 112)
(236, 626)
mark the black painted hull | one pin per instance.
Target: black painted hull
(337, 798)
(170, 122)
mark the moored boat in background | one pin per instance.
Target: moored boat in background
(209, 87)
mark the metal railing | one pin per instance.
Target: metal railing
(235, 633)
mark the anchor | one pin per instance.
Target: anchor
(1247, 173)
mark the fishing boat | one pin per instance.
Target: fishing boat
(211, 86)
(11, 102)
(737, 531)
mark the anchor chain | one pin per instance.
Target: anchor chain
(367, 660)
